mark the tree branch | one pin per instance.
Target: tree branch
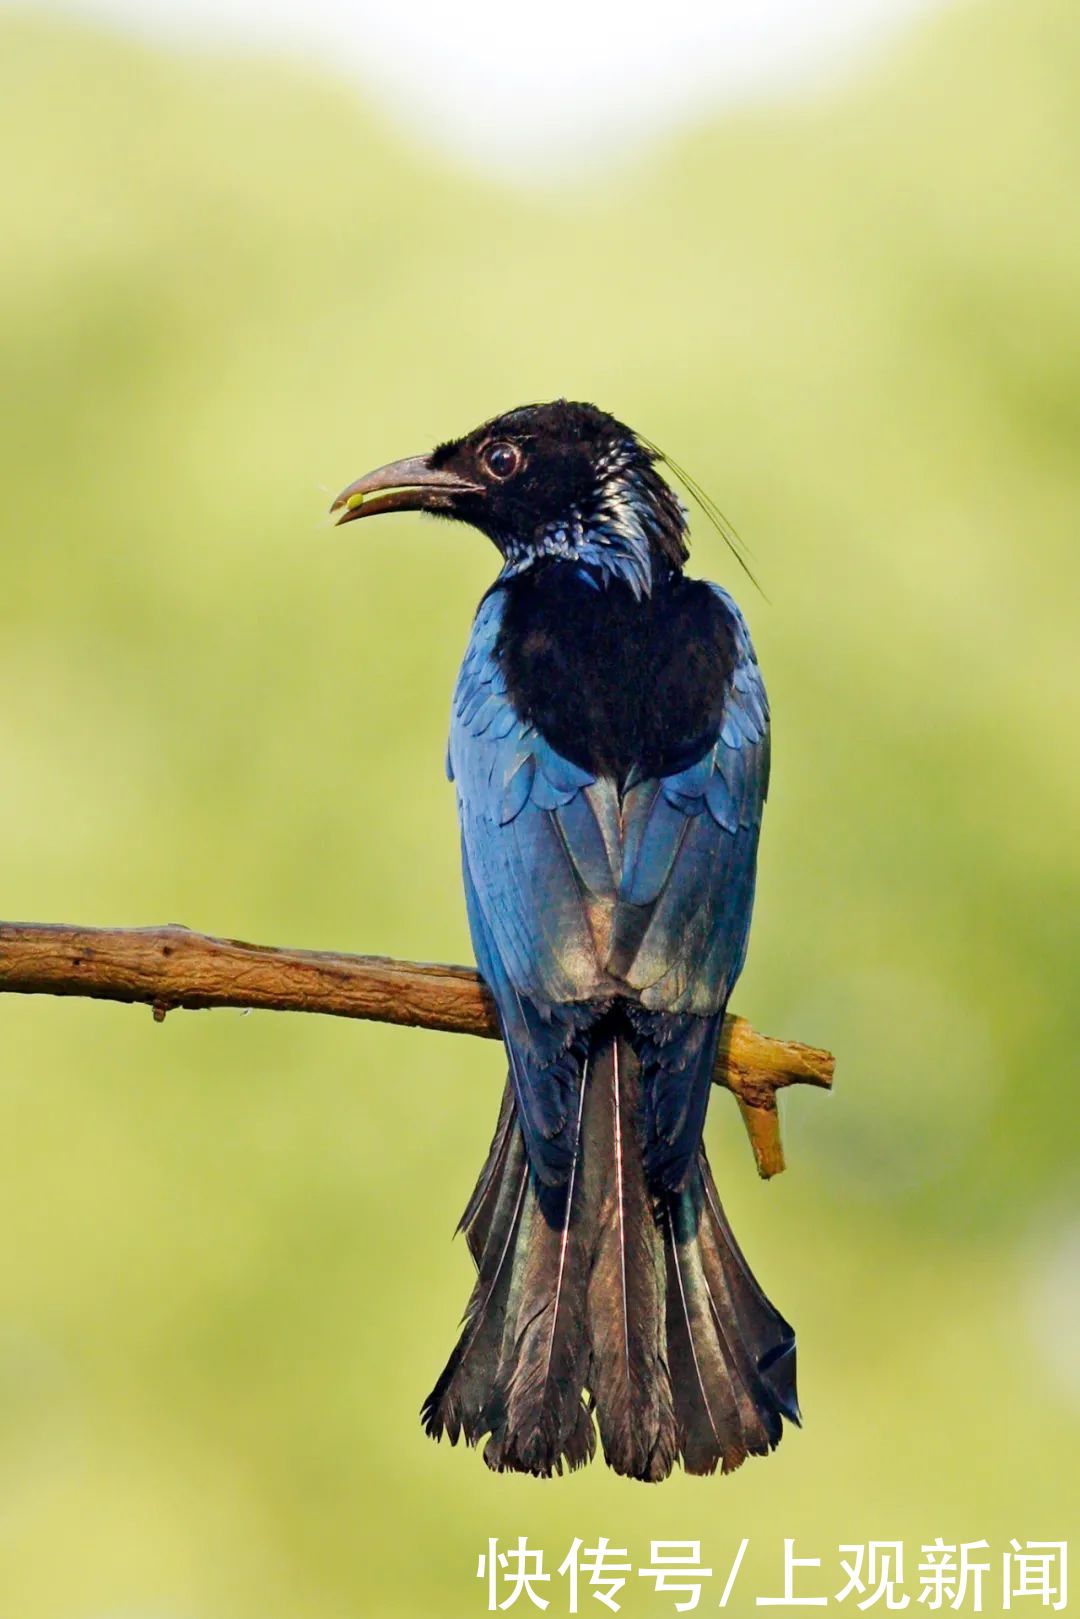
(171, 967)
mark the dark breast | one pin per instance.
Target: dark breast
(612, 682)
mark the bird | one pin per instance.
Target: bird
(609, 749)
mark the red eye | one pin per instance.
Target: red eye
(501, 459)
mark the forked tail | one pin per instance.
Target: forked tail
(606, 1297)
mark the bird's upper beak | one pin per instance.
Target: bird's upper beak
(413, 485)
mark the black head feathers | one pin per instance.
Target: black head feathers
(566, 479)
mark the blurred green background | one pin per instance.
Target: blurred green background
(226, 1276)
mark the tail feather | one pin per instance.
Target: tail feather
(540, 1417)
(759, 1424)
(704, 1398)
(480, 1209)
(607, 1297)
(724, 1411)
(762, 1330)
(459, 1402)
(629, 1376)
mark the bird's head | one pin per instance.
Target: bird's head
(559, 481)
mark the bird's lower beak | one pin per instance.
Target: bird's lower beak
(412, 485)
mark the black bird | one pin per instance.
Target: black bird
(609, 743)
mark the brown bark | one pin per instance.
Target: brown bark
(172, 967)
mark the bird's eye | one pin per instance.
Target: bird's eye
(501, 459)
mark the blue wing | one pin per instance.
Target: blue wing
(576, 896)
(690, 855)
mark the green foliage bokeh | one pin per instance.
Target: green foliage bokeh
(226, 1279)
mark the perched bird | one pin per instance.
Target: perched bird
(609, 743)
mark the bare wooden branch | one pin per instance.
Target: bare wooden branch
(171, 967)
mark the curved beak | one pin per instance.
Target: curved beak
(412, 485)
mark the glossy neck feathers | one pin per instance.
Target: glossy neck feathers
(633, 530)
